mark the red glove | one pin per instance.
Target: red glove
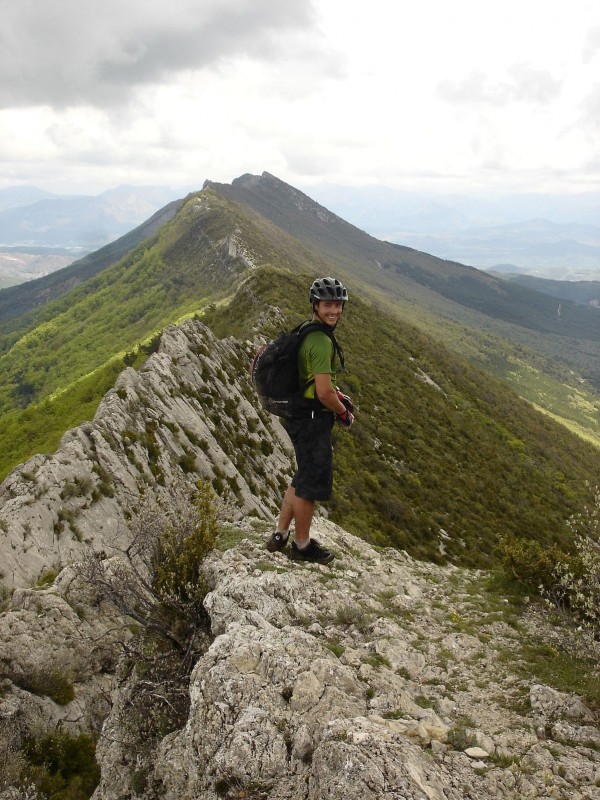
(346, 419)
(345, 400)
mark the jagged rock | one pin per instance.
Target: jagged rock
(189, 412)
(305, 692)
(551, 703)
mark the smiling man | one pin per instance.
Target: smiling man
(311, 433)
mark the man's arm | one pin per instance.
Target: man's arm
(326, 393)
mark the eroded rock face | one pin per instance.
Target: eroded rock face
(188, 412)
(354, 680)
(374, 677)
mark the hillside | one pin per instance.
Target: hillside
(512, 331)
(19, 300)
(375, 676)
(585, 292)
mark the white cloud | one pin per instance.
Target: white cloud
(78, 52)
(432, 94)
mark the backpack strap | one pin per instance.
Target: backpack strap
(305, 328)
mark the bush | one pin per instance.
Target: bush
(157, 583)
(531, 563)
(577, 584)
(53, 682)
(61, 766)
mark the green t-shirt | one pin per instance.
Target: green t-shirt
(316, 355)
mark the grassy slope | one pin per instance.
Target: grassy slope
(470, 458)
(510, 331)
(23, 301)
(71, 352)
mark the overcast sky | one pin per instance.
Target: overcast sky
(434, 95)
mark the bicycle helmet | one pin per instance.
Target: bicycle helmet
(328, 289)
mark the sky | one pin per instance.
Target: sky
(435, 96)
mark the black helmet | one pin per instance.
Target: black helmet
(328, 289)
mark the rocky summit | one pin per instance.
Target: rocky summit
(376, 676)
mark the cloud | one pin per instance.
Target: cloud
(592, 44)
(523, 84)
(77, 52)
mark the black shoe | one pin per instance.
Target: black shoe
(314, 552)
(276, 542)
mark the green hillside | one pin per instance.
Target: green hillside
(19, 300)
(57, 363)
(443, 458)
(511, 331)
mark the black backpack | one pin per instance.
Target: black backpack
(274, 372)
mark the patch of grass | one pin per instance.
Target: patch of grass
(377, 660)
(564, 671)
(352, 615)
(336, 648)
(50, 682)
(46, 579)
(229, 536)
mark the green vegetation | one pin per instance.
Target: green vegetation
(61, 766)
(56, 363)
(466, 455)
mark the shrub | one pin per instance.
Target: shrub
(531, 563)
(49, 681)
(578, 580)
(61, 766)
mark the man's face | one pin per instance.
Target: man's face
(330, 311)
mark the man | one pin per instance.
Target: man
(311, 434)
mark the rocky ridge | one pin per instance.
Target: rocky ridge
(374, 677)
(189, 411)
(377, 676)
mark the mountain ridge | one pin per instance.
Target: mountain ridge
(419, 678)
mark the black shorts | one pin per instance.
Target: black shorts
(311, 437)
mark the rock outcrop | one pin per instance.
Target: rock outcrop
(188, 411)
(374, 677)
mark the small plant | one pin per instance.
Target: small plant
(46, 579)
(352, 615)
(61, 766)
(49, 681)
(336, 648)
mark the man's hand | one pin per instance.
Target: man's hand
(346, 419)
(345, 400)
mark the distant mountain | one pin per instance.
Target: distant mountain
(18, 196)
(585, 292)
(547, 235)
(546, 249)
(87, 222)
(401, 272)
(17, 301)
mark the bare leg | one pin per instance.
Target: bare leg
(298, 509)
(303, 514)
(286, 514)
